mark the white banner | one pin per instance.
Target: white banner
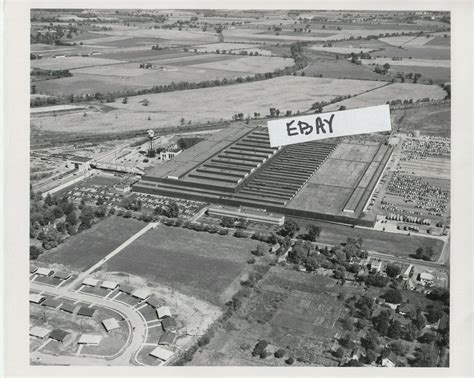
(329, 125)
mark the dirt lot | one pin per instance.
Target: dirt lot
(198, 264)
(81, 251)
(166, 109)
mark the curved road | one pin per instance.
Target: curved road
(138, 328)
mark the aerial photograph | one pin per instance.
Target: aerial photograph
(167, 230)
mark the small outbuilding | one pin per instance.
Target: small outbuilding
(163, 312)
(89, 339)
(110, 324)
(161, 353)
(141, 293)
(89, 281)
(109, 285)
(36, 298)
(39, 332)
(86, 311)
(58, 335)
(169, 324)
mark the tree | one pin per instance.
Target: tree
(290, 227)
(381, 322)
(259, 348)
(393, 270)
(227, 222)
(339, 353)
(279, 353)
(393, 296)
(395, 330)
(370, 342)
(434, 314)
(35, 252)
(173, 210)
(71, 218)
(313, 232)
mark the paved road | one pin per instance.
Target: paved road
(117, 250)
(138, 334)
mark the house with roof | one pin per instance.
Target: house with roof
(426, 278)
(154, 302)
(68, 307)
(86, 311)
(110, 324)
(61, 274)
(167, 338)
(141, 293)
(406, 309)
(389, 361)
(33, 269)
(44, 272)
(169, 324)
(39, 332)
(163, 312)
(111, 285)
(127, 289)
(52, 302)
(89, 281)
(161, 353)
(36, 298)
(89, 339)
(59, 335)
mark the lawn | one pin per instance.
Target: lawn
(83, 250)
(198, 264)
(166, 109)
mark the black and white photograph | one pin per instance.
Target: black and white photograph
(240, 188)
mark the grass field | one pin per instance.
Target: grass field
(378, 241)
(340, 50)
(341, 69)
(408, 40)
(410, 62)
(396, 91)
(166, 109)
(433, 120)
(253, 64)
(439, 75)
(440, 41)
(197, 264)
(83, 250)
(418, 52)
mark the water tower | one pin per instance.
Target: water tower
(151, 151)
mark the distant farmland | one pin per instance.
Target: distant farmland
(209, 104)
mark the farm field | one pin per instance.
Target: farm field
(378, 241)
(409, 62)
(83, 250)
(408, 40)
(166, 109)
(255, 64)
(432, 120)
(341, 50)
(418, 52)
(342, 69)
(198, 264)
(71, 62)
(396, 91)
(293, 311)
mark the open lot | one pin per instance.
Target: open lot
(198, 264)
(166, 109)
(83, 250)
(396, 91)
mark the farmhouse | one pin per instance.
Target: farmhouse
(59, 335)
(90, 282)
(141, 294)
(109, 285)
(86, 311)
(161, 353)
(110, 324)
(167, 338)
(89, 339)
(36, 298)
(39, 332)
(163, 312)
